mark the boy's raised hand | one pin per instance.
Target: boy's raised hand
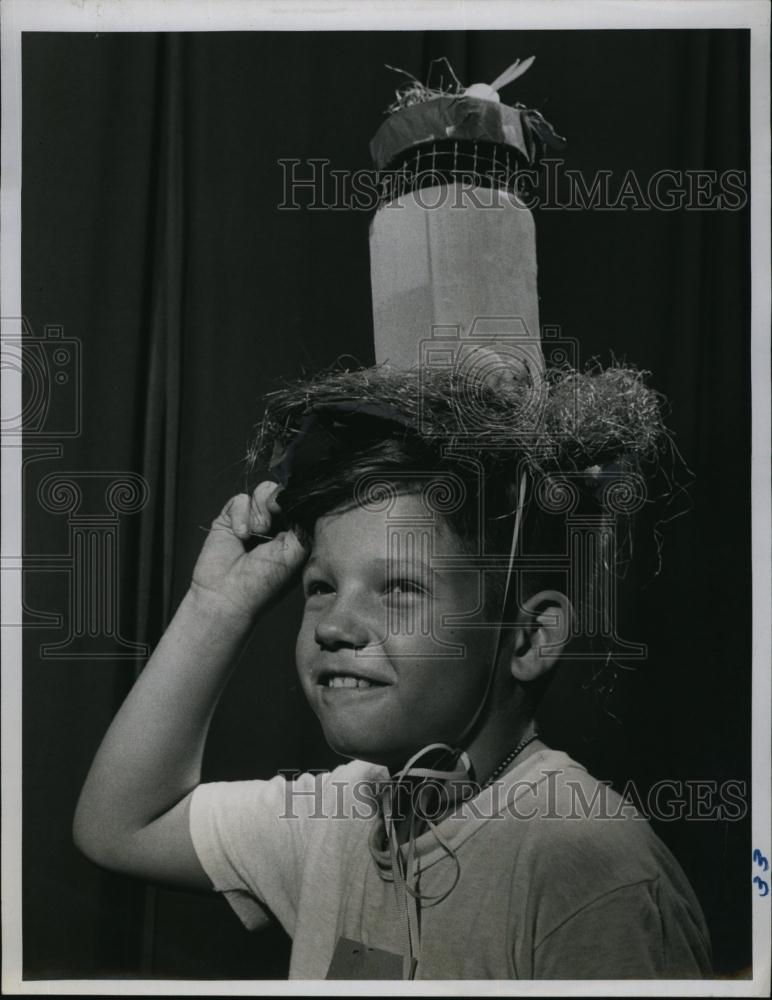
(133, 813)
(238, 576)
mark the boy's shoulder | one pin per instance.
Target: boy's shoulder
(596, 869)
(581, 843)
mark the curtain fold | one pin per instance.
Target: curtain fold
(163, 345)
(160, 430)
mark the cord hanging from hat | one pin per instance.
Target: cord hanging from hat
(497, 650)
(404, 869)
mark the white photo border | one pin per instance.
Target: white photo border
(18, 16)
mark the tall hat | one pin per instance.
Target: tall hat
(455, 309)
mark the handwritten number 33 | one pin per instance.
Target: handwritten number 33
(763, 863)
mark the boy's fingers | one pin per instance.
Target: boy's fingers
(238, 515)
(247, 515)
(285, 550)
(295, 551)
(261, 507)
(225, 518)
(273, 504)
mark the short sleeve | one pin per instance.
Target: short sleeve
(633, 932)
(250, 837)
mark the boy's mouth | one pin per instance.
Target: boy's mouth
(348, 682)
(332, 679)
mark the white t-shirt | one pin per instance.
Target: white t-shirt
(557, 881)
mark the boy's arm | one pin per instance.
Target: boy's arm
(133, 811)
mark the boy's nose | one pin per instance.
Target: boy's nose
(342, 627)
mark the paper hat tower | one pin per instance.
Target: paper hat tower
(452, 246)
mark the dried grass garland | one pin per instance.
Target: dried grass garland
(585, 417)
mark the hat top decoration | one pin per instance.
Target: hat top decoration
(430, 119)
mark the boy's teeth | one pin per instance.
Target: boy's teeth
(348, 682)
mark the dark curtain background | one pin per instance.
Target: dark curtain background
(151, 234)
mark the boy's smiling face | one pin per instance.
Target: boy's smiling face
(370, 651)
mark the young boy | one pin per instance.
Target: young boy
(454, 844)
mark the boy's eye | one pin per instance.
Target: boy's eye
(314, 587)
(402, 587)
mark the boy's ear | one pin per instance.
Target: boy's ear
(544, 626)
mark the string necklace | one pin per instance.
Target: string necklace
(500, 768)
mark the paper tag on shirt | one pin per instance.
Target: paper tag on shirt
(354, 960)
